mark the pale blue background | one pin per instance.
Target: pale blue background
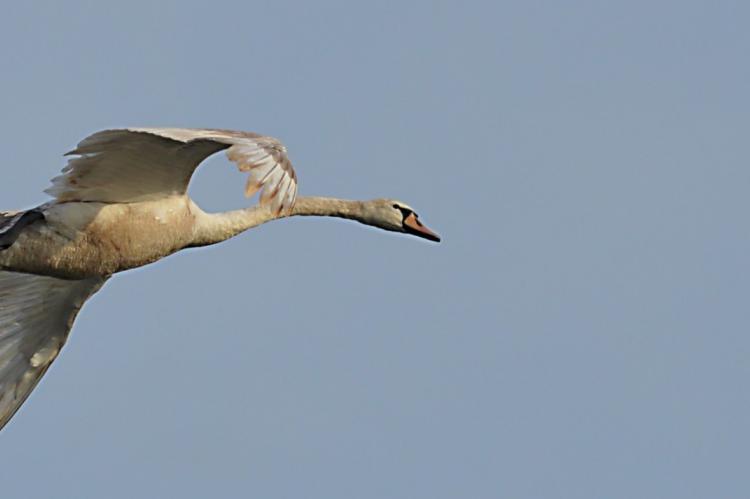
(582, 331)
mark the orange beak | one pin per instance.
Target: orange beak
(412, 225)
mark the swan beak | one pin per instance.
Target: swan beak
(412, 225)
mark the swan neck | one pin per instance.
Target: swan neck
(212, 228)
(329, 207)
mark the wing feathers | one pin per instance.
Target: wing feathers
(140, 164)
(122, 166)
(36, 314)
(265, 160)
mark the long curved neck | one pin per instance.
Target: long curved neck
(211, 228)
(329, 207)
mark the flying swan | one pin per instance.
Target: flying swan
(121, 203)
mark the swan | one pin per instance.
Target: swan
(120, 203)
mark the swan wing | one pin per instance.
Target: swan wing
(36, 314)
(142, 164)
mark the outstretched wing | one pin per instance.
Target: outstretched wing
(141, 164)
(36, 314)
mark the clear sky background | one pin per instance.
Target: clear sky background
(582, 331)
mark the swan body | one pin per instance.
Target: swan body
(82, 240)
(122, 203)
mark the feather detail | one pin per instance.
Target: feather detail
(141, 164)
(36, 314)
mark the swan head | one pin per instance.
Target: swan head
(396, 216)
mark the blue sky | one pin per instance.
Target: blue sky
(580, 332)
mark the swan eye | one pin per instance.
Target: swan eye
(405, 212)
